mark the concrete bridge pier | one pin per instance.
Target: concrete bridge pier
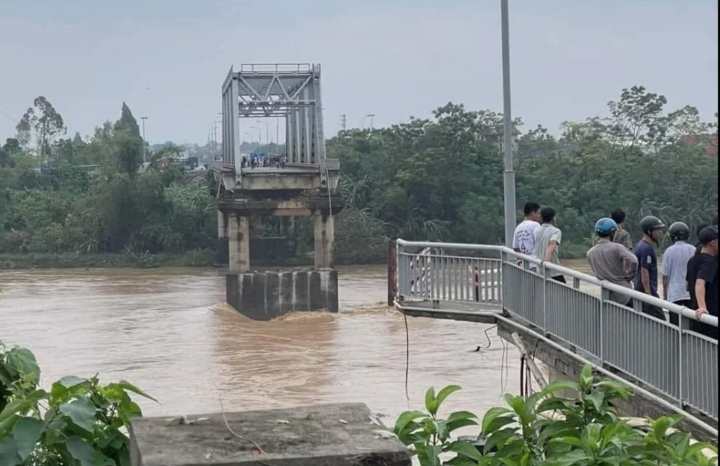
(221, 251)
(238, 243)
(269, 294)
(324, 240)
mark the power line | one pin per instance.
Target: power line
(7, 115)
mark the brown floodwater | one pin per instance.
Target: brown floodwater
(169, 332)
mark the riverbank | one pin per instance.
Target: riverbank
(197, 258)
(200, 258)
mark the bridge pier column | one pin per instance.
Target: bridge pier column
(221, 252)
(238, 243)
(323, 240)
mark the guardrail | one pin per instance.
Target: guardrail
(673, 360)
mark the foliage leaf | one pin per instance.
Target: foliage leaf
(81, 412)
(27, 432)
(22, 361)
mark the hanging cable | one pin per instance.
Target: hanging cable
(522, 375)
(407, 361)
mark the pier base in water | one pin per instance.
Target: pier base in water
(267, 295)
(321, 435)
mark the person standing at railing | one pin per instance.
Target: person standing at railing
(524, 236)
(700, 228)
(674, 268)
(612, 262)
(547, 241)
(702, 281)
(622, 236)
(646, 280)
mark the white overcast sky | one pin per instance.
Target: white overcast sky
(394, 58)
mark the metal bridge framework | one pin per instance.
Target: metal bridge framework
(290, 91)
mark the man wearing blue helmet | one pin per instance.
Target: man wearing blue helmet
(612, 262)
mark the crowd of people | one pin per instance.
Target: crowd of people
(689, 272)
(263, 161)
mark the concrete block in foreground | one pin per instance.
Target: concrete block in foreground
(322, 435)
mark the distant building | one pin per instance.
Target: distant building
(711, 149)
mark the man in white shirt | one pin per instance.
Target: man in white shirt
(524, 236)
(674, 268)
(547, 241)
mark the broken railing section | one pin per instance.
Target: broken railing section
(321, 435)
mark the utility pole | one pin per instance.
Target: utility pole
(259, 133)
(267, 130)
(343, 122)
(214, 127)
(508, 173)
(143, 136)
(371, 116)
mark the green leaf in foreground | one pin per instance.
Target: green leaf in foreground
(23, 363)
(9, 455)
(81, 412)
(27, 432)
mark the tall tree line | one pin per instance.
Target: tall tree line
(432, 179)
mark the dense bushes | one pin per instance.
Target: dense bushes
(79, 422)
(545, 429)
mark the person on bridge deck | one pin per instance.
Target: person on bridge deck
(702, 281)
(612, 262)
(622, 236)
(674, 268)
(547, 241)
(700, 228)
(524, 236)
(646, 280)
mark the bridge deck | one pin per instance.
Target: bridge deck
(485, 284)
(466, 312)
(305, 170)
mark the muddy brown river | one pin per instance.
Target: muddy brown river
(168, 331)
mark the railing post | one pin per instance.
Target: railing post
(392, 272)
(683, 324)
(544, 272)
(604, 296)
(501, 279)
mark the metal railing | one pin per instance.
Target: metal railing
(672, 360)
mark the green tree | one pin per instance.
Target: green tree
(127, 122)
(45, 122)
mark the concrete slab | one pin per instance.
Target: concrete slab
(246, 205)
(465, 312)
(322, 435)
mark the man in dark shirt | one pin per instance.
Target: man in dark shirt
(646, 280)
(702, 279)
(700, 228)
